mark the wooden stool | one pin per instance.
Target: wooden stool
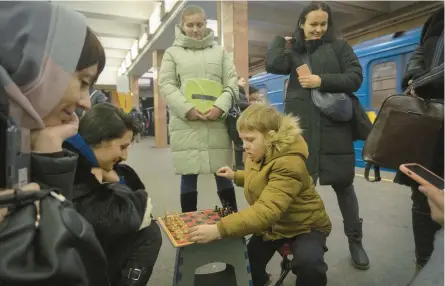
(231, 251)
(286, 265)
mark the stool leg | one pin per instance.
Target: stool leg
(184, 271)
(286, 267)
(243, 275)
(282, 277)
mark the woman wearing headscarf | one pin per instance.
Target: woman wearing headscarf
(336, 69)
(48, 60)
(200, 142)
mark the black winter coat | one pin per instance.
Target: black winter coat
(331, 153)
(116, 211)
(418, 65)
(57, 170)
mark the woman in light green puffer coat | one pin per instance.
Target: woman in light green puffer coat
(200, 142)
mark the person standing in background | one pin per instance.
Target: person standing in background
(424, 228)
(200, 142)
(335, 68)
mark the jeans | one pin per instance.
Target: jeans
(424, 228)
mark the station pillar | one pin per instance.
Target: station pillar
(233, 35)
(233, 27)
(160, 106)
(134, 90)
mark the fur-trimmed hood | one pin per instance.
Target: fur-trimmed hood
(287, 140)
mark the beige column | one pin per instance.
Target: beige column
(233, 27)
(160, 107)
(233, 35)
(134, 89)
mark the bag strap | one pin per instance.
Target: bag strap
(20, 198)
(377, 177)
(231, 91)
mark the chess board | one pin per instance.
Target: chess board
(179, 236)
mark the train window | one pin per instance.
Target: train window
(286, 82)
(384, 82)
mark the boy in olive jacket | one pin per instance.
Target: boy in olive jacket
(284, 206)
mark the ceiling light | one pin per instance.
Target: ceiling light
(169, 4)
(128, 60)
(155, 20)
(143, 40)
(134, 50)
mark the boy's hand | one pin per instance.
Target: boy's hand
(204, 233)
(436, 202)
(226, 172)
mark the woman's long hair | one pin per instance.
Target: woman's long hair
(330, 35)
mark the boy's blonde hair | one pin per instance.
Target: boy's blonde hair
(192, 10)
(279, 130)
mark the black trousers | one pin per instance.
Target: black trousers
(308, 258)
(424, 228)
(139, 250)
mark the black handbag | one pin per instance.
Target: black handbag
(232, 117)
(336, 106)
(44, 241)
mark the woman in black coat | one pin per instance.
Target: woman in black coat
(111, 196)
(335, 68)
(420, 63)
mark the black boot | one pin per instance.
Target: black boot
(228, 199)
(189, 202)
(358, 254)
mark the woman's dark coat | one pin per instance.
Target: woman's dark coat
(115, 210)
(331, 153)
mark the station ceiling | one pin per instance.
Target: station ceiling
(120, 24)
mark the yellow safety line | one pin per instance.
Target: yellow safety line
(383, 179)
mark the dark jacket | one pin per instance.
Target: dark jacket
(331, 153)
(57, 170)
(420, 62)
(115, 210)
(231, 120)
(418, 65)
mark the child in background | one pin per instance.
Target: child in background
(284, 206)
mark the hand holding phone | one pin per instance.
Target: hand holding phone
(422, 176)
(303, 70)
(436, 203)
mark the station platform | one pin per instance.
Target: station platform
(385, 208)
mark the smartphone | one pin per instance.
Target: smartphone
(15, 162)
(303, 70)
(422, 175)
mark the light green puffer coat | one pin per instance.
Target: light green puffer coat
(198, 147)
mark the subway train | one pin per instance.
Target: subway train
(383, 60)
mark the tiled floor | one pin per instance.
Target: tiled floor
(385, 209)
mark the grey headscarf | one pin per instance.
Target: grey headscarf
(40, 46)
